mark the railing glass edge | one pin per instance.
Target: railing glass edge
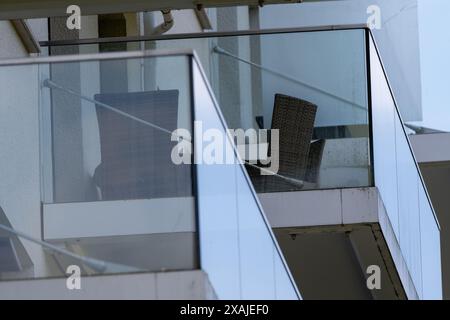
(203, 89)
(402, 190)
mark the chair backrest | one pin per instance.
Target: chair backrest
(314, 160)
(294, 118)
(136, 158)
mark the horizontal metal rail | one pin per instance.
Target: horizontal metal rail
(181, 36)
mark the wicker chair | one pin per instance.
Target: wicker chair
(314, 160)
(298, 158)
(135, 158)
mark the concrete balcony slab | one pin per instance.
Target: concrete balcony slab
(331, 237)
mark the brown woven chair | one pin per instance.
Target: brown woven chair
(314, 160)
(136, 158)
(294, 118)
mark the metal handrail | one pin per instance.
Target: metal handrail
(181, 36)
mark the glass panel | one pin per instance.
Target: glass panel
(238, 250)
(257, 261)
(402, 191)
(89, 169)
(323, 72)
(408, 205)
(112, 123)
(219, 235)
(431, 258)
(383, 123)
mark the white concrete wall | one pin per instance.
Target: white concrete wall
(19, 144)
(185, 21)
(432, 147)
(19, 147)
(398, 38)
(10, 44)
(19, 156)
(333, 62)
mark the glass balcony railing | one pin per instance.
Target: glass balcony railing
(234, 238)
(324, 142)
(352, 135)
(401, 186)
(100, 169)
(326, 70)
(349, 133)
(303, 110)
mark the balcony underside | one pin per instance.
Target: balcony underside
(330, 237)
(14, 9)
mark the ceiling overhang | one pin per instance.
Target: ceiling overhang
(21, 9)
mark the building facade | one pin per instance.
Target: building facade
(331, 205)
